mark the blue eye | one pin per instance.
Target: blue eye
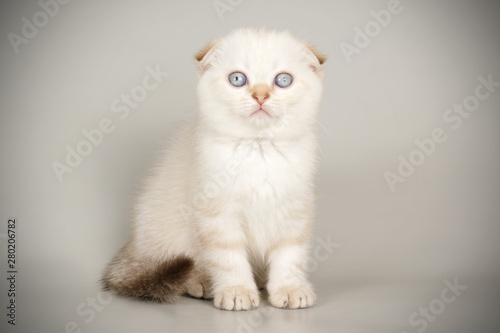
(237, 79)
(283, 80)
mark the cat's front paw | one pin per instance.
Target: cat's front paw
(237, 298)
(293, 297)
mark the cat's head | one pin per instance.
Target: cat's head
(259, 83)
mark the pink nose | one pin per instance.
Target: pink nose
(260, 99)
(260, 92)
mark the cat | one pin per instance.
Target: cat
(228, 210)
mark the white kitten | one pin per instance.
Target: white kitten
(229, 209)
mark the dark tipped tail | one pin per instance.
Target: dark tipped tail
(160, 282)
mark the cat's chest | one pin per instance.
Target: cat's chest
(260, 171)
(265, 164)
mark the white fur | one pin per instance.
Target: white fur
(245, 180)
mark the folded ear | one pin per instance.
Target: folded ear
(203, 57)
(317, 66)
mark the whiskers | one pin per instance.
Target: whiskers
(323, 128)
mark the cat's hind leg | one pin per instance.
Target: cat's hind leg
(199, 285)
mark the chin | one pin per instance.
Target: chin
(260, 119)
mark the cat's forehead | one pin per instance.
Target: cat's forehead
(260, 50)
(260, 53)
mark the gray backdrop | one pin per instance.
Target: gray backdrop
(407, 232)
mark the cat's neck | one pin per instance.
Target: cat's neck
(272, 135)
